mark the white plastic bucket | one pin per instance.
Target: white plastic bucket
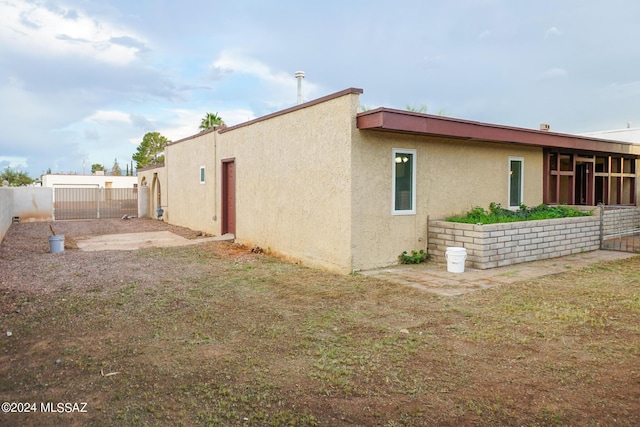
(56, 244)
(455, 259)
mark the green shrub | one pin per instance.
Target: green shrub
(497, 214)
(414, 258)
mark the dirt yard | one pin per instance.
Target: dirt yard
(212, 334)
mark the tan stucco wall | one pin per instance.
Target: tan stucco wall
(312, 187)
(146, 178)
(293, 175)
(293, 182)
(190, 203)
(452, 176)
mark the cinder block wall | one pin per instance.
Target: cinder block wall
(496, 245)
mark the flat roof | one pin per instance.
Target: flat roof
(409, 122)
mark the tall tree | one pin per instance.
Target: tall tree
(151, 150)
(210, 120)
(15, 178)
(96, 167)
(116, 170)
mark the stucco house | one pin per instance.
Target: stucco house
(346, 190)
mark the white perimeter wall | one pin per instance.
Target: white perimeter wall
(6, 209)
(27, 203)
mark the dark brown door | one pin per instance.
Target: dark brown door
(584, 188)
(228, 196)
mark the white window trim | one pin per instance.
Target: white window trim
(202, 172)
(521, 160)
(413, 181)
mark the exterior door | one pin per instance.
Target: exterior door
(229, 196)
(584, 184)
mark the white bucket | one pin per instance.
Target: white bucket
(455, 259)
(56, 244)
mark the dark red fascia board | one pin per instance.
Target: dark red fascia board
(391, 120)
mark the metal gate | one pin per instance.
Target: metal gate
(620, 228)
(94, 203)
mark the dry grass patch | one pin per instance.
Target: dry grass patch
(216, 335)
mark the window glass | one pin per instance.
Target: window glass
(201, 174)
(515, 182)
(404, 192)
(615, 165)
(566, 162)
(566, 186)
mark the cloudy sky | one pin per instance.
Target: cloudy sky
(84, 80)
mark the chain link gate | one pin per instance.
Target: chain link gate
(620, 228)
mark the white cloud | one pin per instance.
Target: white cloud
(184, 123)
(552, 32)
(236, 116)
(13, 162)
(276, 82)
(233, 61)
(109, 116)
(34, 28)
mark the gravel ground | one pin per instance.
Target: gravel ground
(27, 266)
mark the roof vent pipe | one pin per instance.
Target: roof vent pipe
(299, 75)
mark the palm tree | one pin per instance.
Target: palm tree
(210, 120)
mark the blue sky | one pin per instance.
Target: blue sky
(84, 80)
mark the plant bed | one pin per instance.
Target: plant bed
(497, 214)
(507, 243)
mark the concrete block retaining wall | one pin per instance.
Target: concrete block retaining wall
(496, 245)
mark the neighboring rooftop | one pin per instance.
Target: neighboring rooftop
(627, 134)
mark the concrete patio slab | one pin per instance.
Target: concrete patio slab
(434, 277)
(133, 241)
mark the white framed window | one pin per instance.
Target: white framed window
(201, 174)
(516, 182)
(403, 182)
